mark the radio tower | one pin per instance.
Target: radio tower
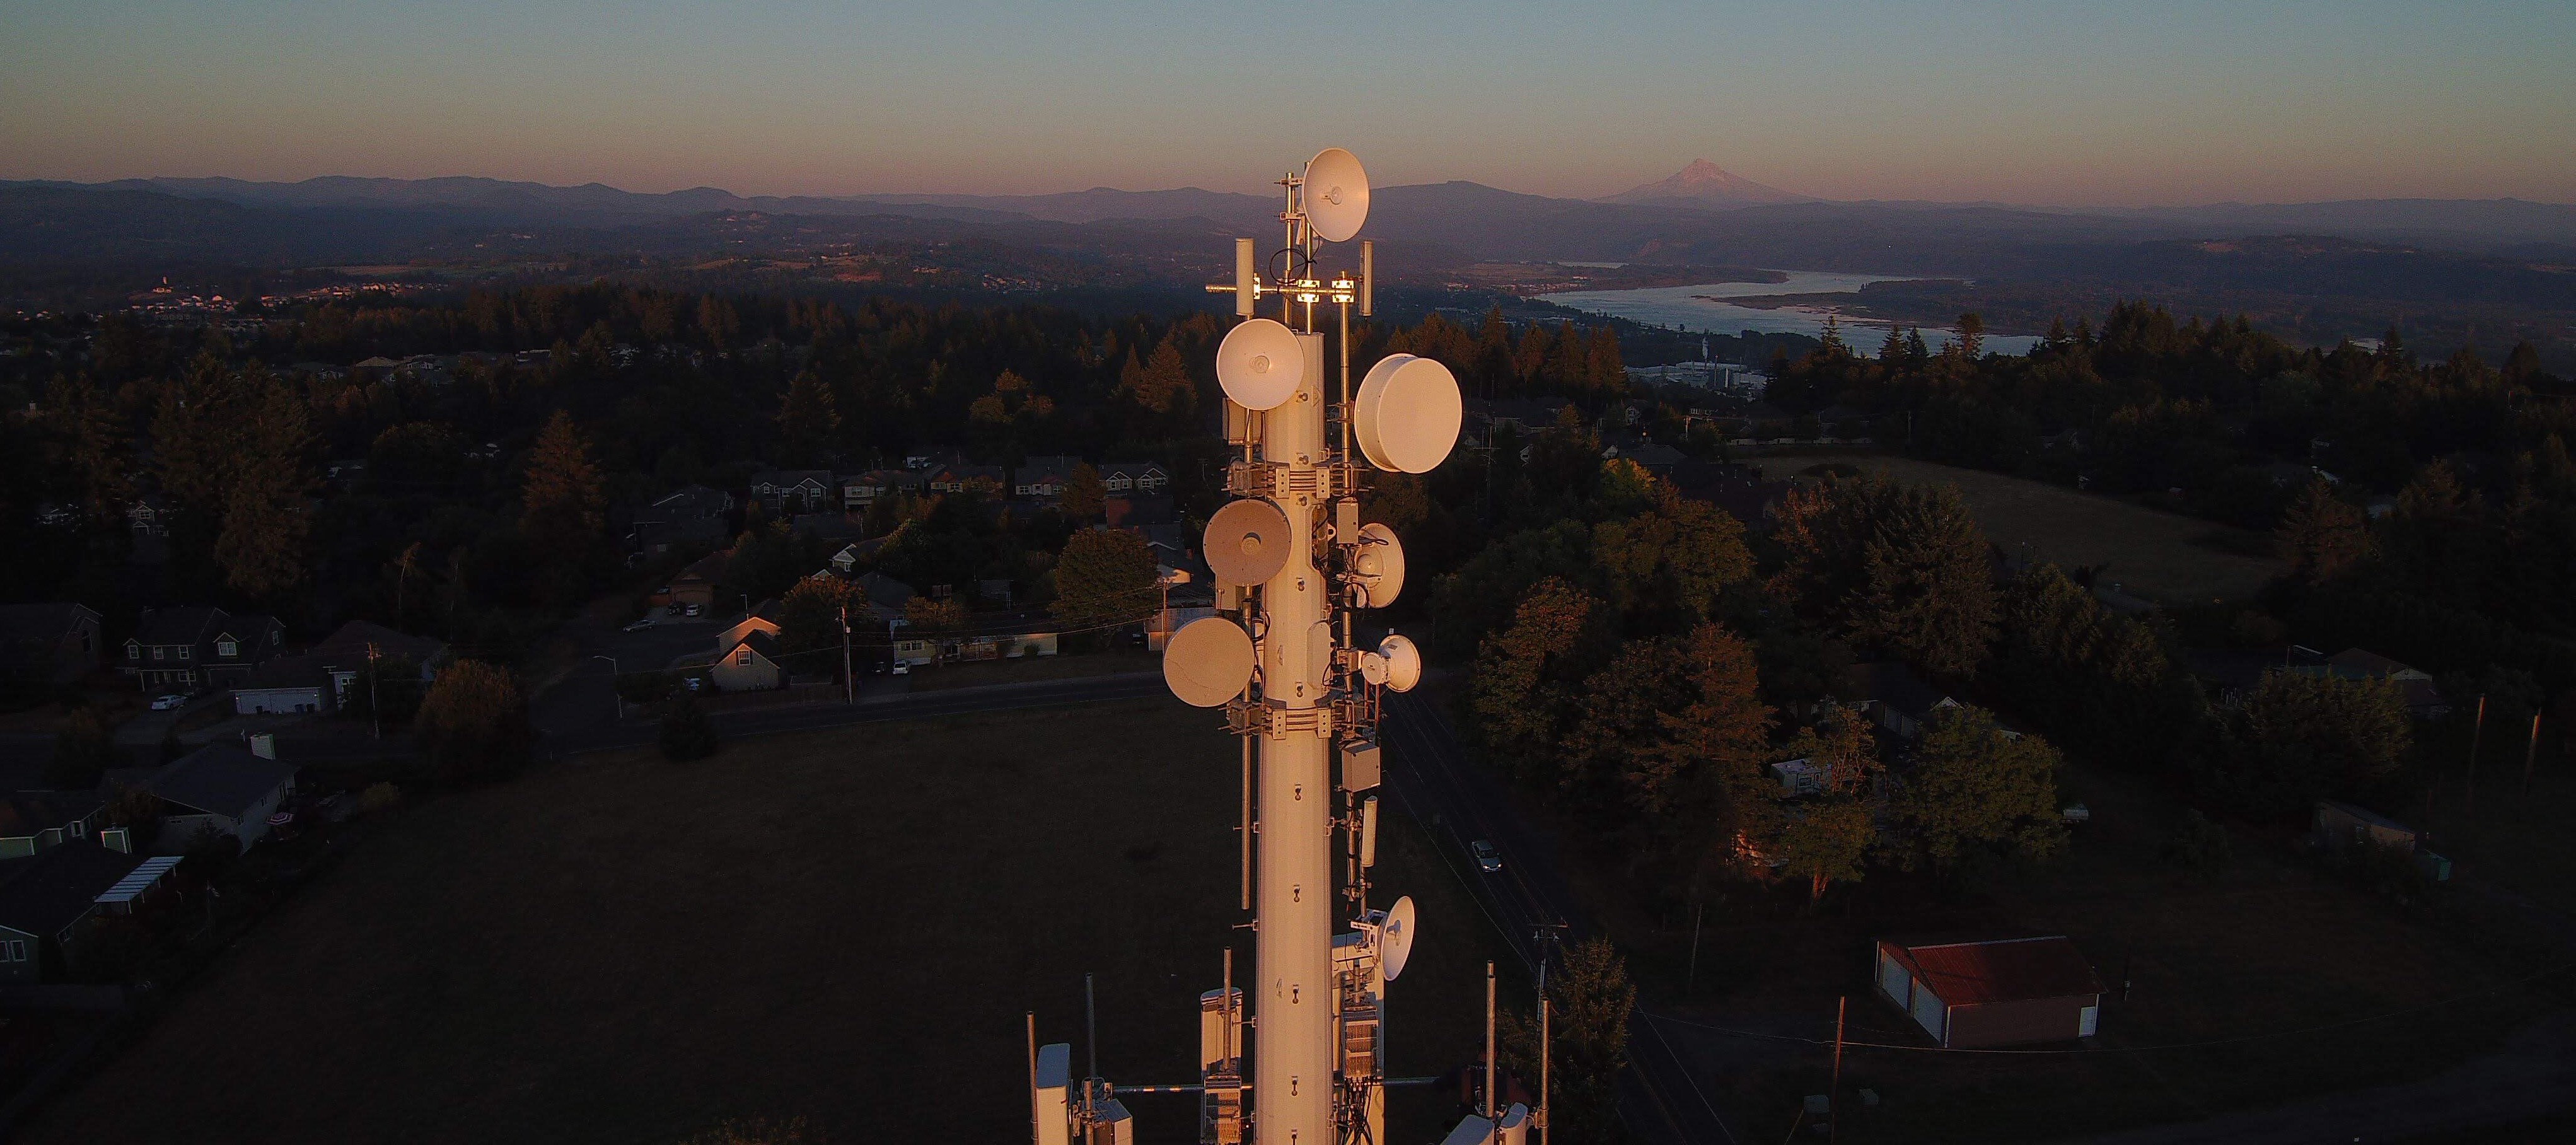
(1293, 565)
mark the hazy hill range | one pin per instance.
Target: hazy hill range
(2487, 267)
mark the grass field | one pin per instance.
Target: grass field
(2234, 969)
(844, 927)
(1064, 667)
(2165, 557)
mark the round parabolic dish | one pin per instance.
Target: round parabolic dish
(1208, 662)
(1260, 364)
(1247, 542)
(1378, 562)
(1408, 415)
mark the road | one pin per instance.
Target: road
(1531, 905)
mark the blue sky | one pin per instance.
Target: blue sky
(2073, 103)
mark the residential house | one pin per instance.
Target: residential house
(1524, 416)
(782, 491)
(923, 458)
(32, 821)
(1185, 598)
(886, 596)
(847, 560)
(149, 515)
(831, 526)
(43, 645)
(763, 618)
(198, 647)
(286, 685)
(1143, 477)
(1001, 636)
(691, 514)
(696, 584)
(1734, 487)
(1994, 991)
(959, 477)
(2414, 685)
(754, 662)
(1896, 698)
(43, 901)
(1659, 460)
(346, 653)
(1042, 479)
(221, 789)
(861, 490)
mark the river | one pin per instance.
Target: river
(1702, 308)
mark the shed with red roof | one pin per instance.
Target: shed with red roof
(1993, 991)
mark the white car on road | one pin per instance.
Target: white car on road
(169, 703)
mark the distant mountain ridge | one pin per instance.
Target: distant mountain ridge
(1705, 184)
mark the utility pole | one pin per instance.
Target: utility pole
(375, 711)
(849, 683)
(2477, 733)
(2530, 752)
(613, 697)
(1692, 979)
(1543, 1055)
(1489, 1041)
(1834, 1089)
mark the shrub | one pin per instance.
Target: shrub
(379, 796)
(2201, 847)
(687, 733)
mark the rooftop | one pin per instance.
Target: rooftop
(1980, 972)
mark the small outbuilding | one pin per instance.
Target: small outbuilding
(1993, 991)
(2340, 825)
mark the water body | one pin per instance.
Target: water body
(1703, 308)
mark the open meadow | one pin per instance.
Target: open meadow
(2165, 557)
(844, 927)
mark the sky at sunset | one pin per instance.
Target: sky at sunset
(2071, 103)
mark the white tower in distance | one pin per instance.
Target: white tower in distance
(1293, 563)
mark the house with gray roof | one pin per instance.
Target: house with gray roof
(188, 649)
(48, 644)
(44, 899)
(219, 788)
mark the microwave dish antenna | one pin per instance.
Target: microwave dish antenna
(1403, 663)
(1395, 938)
(1248, 542)
(1336, 195)
(1260, 364)
(1377, 566)
(1208, 662)
(1408, 414)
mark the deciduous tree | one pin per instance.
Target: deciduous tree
(1105, 577)
(473, 725)
(1978, 787)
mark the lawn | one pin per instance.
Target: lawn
(2165, 557)
(844, 927)
(1027, 668)
(2231, 968)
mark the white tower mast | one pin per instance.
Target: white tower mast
(1291, 560)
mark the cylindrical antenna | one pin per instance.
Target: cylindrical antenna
(1368, 833)
(1368, 277)
(1245, 278)
(1489, 1040)
(1035, 1133)
(1091, 1034)
(1225, 1044)
(1246, 881)
(1542, 1067)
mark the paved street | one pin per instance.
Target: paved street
(1460, 802)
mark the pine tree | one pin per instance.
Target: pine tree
(563, 513)
(2321, 536)
(808, 422)
(268, 514)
